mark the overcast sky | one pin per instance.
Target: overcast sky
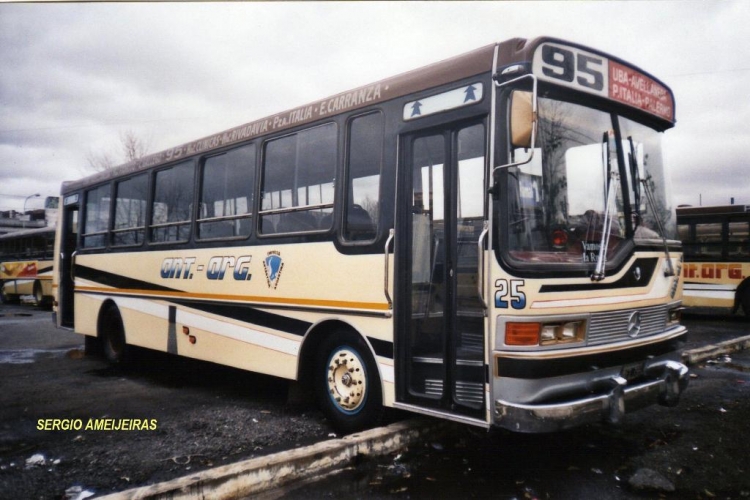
(74, 77)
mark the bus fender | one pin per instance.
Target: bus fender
(314, 338)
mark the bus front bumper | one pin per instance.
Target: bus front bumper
(666, 381)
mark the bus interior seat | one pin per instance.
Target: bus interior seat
(359, 225)
(297, 222)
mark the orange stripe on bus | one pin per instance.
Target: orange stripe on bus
(246, 298)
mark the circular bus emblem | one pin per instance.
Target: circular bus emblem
(634, 324)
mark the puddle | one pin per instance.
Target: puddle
(28, 356)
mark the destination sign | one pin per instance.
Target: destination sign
(595, 74)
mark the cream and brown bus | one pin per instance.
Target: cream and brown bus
(26, 265)
(717, 256)
(488, 239)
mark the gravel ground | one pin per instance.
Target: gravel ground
(202, 415)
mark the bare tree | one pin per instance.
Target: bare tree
(132, 147)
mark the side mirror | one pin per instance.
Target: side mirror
(521, 119)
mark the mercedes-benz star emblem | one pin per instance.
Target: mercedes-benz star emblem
(634, 324)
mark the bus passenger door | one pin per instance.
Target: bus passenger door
(68, 246)
(441, 319)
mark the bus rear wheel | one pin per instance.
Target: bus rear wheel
(41, 300)
(7, 298)
(348, 387)
(112, 335)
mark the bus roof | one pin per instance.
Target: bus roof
(510, 52)
(27, 232)
(713, 210)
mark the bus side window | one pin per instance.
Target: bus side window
(298, 175)
(96, 220)
(172, 203)
(739, 240)
(227, 185)
(130, 211)
(709, 239)
(364, 165)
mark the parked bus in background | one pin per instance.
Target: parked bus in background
(716, 272)
(467, 240)
(26, 265)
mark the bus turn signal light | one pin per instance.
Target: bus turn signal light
(522, 333)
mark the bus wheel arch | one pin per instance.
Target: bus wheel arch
(111, 336)
(340, 369)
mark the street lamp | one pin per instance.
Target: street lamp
(27, 199)
(24, 206)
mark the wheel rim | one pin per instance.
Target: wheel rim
(347, 380)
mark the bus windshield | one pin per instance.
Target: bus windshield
(582, 184)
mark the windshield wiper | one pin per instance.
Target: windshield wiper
(635, 173)
(635, 179)
(613, 181)
(652, 204)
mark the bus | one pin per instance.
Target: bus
(488, 239)
(26, 265)
(716, 242)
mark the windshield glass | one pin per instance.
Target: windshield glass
(557, 202)
(642, 147)
(574, 191)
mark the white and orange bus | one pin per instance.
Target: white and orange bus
(488, 239)
(26, 265)
(717, 256)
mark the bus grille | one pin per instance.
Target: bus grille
(612, 326)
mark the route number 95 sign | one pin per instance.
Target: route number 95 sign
(595, 74)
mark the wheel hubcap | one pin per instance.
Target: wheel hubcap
(347, 383)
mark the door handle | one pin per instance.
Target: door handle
(391, 235)
(73, 267)
(480, 263)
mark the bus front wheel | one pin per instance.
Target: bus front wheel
(347, 383)
(745, 300)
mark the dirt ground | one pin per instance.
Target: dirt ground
(205, 415)
(698, 451)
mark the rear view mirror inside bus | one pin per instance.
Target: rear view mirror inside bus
(521, 119)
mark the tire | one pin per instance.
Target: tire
(41, 301)
(92, 346)
(112, 334)
(745, 300)
(347, 383)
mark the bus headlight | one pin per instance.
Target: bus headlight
(674, 316)
(561, 333)
(535, 334)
